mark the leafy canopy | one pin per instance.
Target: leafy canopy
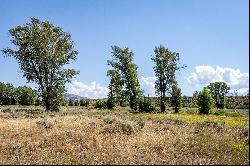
(124, 81)
(218, 90)
(204, 101)
(42, 50)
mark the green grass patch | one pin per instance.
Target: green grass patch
(196, 118)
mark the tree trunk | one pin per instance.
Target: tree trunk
(46, 100)
(47, 103)
(162, 105)
(176, 109)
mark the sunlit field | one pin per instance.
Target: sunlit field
(78, 135)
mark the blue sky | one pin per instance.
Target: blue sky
(211, 36)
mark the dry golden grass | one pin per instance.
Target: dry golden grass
(89, 136)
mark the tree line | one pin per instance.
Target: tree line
(42, 50)
(23, 95)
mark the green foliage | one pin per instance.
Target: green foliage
(194, 102)
(84, 103)
(76, 103)
(71, 102)
(37, 101)
(124, 84)
(218, 91)
(110, 103)
(7, 94)
(100, 104)
(204, 101)
(185, 102)
(220, 112)
(146, 105)
(166, 64)
(64, 102)
(235, 101)
(115, 88)
(176, 98)
(41, 51)
(25, 95)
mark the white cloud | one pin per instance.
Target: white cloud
(93, 90)
(203, 75)
(148, 85)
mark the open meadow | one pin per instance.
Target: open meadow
(78, 135)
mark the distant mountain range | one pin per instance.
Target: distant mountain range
(73, 97)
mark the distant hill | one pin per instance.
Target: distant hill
(73, 97)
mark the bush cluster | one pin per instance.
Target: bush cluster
(204, 101)
(84, 103)
(146, 105)
(23, 95)
(100, 104)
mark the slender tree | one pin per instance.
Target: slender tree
(176, 97)
(42, 50)
(122, 64)
(166, 64)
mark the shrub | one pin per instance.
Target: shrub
(119, 125)
(64, 102)
(71, 103)
(111, 120)
(204, 101)
(25, 95)
(44, 123)
(145, 105)
(84, 103)
(235, 114)
(38, 102)
(140, 123)
(220, 112)
(100, 104)
(76, 103)
(7, 94)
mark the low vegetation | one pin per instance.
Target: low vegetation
(77, 135)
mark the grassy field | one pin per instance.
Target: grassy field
(78, 135)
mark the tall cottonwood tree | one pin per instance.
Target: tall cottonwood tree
(122, 64)
(42, 50)
(166, 64)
